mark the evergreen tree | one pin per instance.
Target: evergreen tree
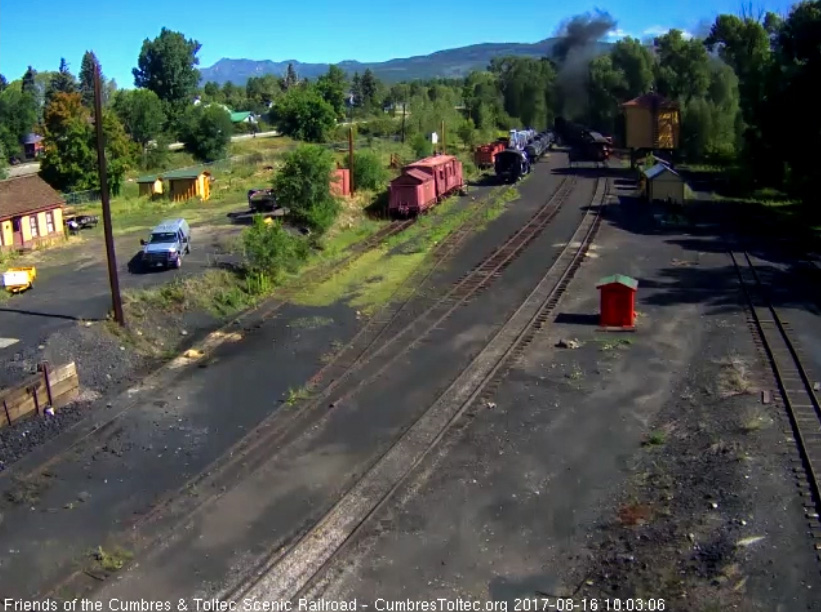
(87, 78)
(29, 84)
(62, 81)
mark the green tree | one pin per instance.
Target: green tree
(142, 115)
(356, 89)
(369, 172)
(4, 162)
(18, 115)
(303, 185)
(606, 85)
(369, 85)
(635, 61)
(29, 83)
(87, 68)
(683, 69)
(262, 91)
(207, 132)
(303, 114)
(62, 81)
(527, 86)
(167, 66)
(212, 92)
(331, 87)
(70, 159)
(3, 83)
(291, 78)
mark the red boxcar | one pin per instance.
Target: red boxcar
(485, 155)
(424, 183)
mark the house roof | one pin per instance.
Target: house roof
(239, 116)
(652, 100)
(658, 170)
(32, 138)
(190, 173)
(618, 279)
(26, 194)
(149, 178)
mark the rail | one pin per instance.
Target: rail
(803, 408)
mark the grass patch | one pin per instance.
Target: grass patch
(297, 395)
(734, 377)
(655, 438)
(27, 490)
(111, 561)
(612, 345)
(368, 283)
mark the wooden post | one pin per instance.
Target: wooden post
(443, 135)
(6, 410)
(44, 368)
(350, 155)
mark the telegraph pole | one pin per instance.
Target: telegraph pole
(404, 108)
(109, 235)
(443, 136)
(350, 155)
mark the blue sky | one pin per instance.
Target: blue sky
(39, 33)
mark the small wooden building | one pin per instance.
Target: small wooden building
(151, 186)
(341, 182)
(31, 213)
(187, 184)
(662, 184)
(618, 301)
(652, 122)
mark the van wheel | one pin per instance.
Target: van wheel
(178, 263)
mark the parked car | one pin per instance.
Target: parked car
(168, 243)
(80, 222)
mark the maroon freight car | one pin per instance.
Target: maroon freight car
(424, 183)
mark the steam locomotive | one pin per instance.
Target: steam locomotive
(524, 150)
(585, 145)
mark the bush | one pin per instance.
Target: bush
(270, 250)
(369, 172)
(206, 132)
(380, 127)
(422, 147)
(304, 186)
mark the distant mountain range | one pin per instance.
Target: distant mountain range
(450, 63)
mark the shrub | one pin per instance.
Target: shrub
(380, 127)
(422, 147)
(369, 172)
(302, 114)
(304, 186)
(206, 132)
(271, 250)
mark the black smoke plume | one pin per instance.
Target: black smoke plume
(572, 54)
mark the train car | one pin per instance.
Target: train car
(511, 165)
(485, 155)
(424, 183)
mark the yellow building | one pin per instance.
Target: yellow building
(652, 122)
(31, 213)
(187, 184)
(661, 184)
(150, 186)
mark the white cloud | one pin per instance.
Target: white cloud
(617, 34)
(661, 31)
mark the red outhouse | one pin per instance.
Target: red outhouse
(341, 182)
(618, 301)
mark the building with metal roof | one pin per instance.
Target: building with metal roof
(662, 184)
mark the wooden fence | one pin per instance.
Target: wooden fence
(49, 388)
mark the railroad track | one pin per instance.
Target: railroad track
(291, 573)
(795, 385)
(238, 455)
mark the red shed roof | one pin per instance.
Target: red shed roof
(618, 279)
(433, 161)
(412, 173)
(26, 194)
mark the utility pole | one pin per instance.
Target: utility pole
(109, 235)
(350, 155)
(443, 136)
(404, 108)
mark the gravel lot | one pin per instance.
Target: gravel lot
(635, 466)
